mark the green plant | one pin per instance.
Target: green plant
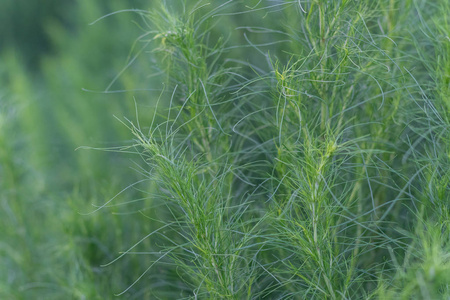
(327, 125)
(281, 150)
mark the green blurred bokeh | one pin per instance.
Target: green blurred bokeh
(54, 67)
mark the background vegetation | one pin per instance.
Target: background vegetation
(249, 149)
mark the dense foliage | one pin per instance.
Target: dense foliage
(261, 149)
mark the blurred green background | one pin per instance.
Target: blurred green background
(50, 56)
